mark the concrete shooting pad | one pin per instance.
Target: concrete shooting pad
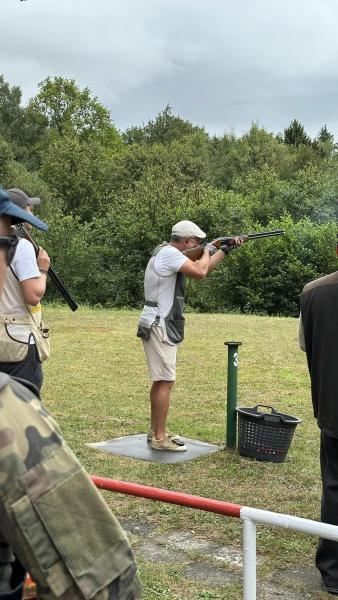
(136, 446)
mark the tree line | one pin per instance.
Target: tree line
(110, 196)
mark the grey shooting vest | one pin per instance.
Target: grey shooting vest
(174, 321)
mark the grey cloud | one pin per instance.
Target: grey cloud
(221, 64)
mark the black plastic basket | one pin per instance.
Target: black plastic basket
(265, 435)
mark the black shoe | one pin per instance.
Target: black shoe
(332, 591)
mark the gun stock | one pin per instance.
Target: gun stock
(196, 253)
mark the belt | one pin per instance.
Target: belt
(150, 303)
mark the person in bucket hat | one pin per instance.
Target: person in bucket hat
(20, 308)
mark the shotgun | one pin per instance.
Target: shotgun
(196, 253)
(51, 273)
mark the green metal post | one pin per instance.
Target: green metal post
(232, 393)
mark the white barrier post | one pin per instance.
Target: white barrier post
(251, 516)
(249, 559)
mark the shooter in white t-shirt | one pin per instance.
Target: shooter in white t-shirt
(161, 324)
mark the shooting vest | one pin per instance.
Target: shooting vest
(11, 348)
(174, 321)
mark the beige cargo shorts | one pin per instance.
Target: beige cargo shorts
(160, 355)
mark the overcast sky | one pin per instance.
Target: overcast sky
(221, 64)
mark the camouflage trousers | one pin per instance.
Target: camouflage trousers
(52, 518)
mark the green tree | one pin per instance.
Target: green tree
(232, 158)
(78, 173)
(295, 135)
(324, 135)
(66, 110)
(324, 143)
(14, 173)
(185, 159)
(11, 112)
(16, 127)
(163, 130)
(312, 193)
(6, 158)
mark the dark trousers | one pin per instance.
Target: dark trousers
(327, 552)
(30, 368)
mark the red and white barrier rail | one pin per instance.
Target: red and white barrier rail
(249, 516)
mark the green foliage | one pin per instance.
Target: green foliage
(234, 158)
(6, 158)
(164, 129)
(110, 198)
(295, 135)
(185, 160)
(66, 108)
(78, 173)
(324, 143)
(10, 110)
(325, 136)
(74, 257)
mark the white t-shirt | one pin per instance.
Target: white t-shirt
(25, 266)
(159, 284)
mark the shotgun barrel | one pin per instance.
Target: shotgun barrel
(263, 234)
(51, 273)
(196, 253)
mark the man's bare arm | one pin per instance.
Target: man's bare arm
(215, 259)
(197, 269)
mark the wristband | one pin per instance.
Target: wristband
(43, 272)
(227, 249)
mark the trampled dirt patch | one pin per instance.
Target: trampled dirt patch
(217, 566)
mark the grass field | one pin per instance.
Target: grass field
(96, 385)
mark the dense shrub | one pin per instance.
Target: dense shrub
(111, 197)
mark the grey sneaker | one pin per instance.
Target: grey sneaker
(168, 444)
(174, 436)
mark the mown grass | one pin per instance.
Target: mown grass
(96, 385)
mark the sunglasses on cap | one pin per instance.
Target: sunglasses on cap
(9, 243)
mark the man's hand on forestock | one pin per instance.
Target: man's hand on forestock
(226, 248)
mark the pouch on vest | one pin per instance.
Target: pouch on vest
(175, 329)
(41, 335)
(58, 546)
(12, 350)
(143, 332)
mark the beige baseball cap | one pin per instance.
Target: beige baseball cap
(187, 229)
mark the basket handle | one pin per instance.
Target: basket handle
(273, 411)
